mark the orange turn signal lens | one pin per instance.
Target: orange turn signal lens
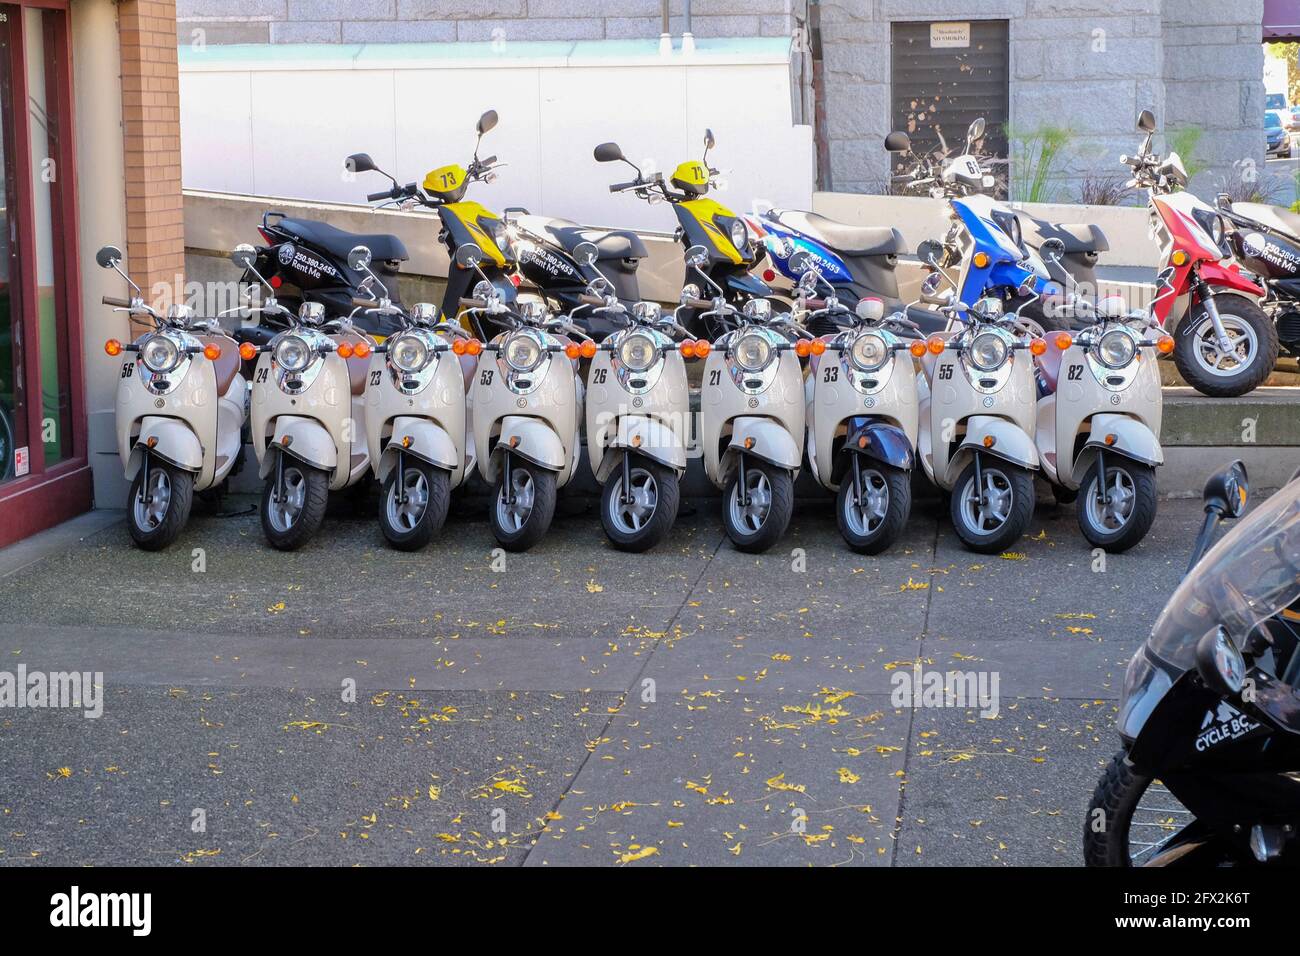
(989, 441)
(573, 350)
(361, 349)
(473, 347)
(1038, 346)
(917, 349)
(588, 349)
(703, 347)
(212, 351)
(247, 351)
(1111, 439)
(935, 344)
(1179, 258)
(459, 346)
(113, 347)
(687, 349)
(1165, 344)
(817, 347)
(1064, 340)
(345, 350)
(803, 348)
(981, 259)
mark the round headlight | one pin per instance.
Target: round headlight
(293, 354)
(409, 353)
(637, 352)
(987, 352)
(160, 354)
(522, 352)
(1013, 229)
(752, 352)
(1116, 349)
(1216, 230)
(869, 352)
(739, 233)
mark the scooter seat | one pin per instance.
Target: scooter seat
(227, 364)
(336, 242)
(609, 243)
(1274, 217)
(1076, 237)
(840, 236)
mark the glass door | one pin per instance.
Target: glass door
(13, 378)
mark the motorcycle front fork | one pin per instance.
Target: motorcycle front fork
(1212, 310)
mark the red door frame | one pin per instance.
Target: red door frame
(46, 496)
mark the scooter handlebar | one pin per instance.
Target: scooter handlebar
(116, 302)
(466, 303)
(619, 187)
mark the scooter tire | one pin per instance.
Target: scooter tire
(1021, 484)
(1243, 381)
(898, 506)
(315, 500)
(1140, 519)
(1110, 812)
(179, 504)
(778, 515)
(538, 522)
(438, 499)
(663, 517)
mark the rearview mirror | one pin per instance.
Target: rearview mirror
(359, 258)
(1052, 248)
(697, 256)
(487, 122)
(870, 309)
(933, 292)
(976, 130)
(586, 253)
(708, 139)
(359, 163)
(108, 257)
(468, 255)
(1147, 121)
(607, 153)
(929, 252)
(897, 142)
(244, 256)
(1228, 490)
(802, 261)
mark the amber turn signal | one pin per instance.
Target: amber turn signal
(817, 347)
(113, 347)
(1111, 439)
(1064, 340)
(989, 441)
(687, 349)
(588, 349)
(345, 350)
(573, 350)
(802, 348)
(1165, 344)
(1038, 346)
(247, 351)
(1179, 258)
(981, 259)
(917, 349)
(361, 349)
(702, 347)
(935, 344)
(473, 347)
(212, 351)
(459, 346)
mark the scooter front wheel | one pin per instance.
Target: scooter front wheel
(873, 521)
(1237, 369)
(641, 518)
(1131, 818)
(757, 519)
(410, 515)
(159, 510)
(293, 505)
(522, 510)
(1116, 512)
(992, 516)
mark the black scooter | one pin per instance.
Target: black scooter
(1266, 241)
(1210, 721)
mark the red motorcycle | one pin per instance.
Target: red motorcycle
(1224, 343)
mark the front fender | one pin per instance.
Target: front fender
(764, 439)
(308, 440)
(419, 438)
(1132, 440)
(173, 441)
(645, 436)
(1009, 441)
(875, 439)
(1219, 276)
(530, 439)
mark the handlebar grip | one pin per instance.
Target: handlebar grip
(385, 194)
(619, 187)
(587, 299)
(472, 303)
(697, 303)
(360, 303)
(116, 302)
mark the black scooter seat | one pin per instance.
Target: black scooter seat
(336, 242)
(1274, 217)
(850, 240)
(1076, 237)
(609, 243)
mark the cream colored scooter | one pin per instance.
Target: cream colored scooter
(415, 414)
(977, 409)
(527, 403)
(862, 410)
(638, 415)
(751, 412)
(180, 412)
(1099, 421)
(308, 415)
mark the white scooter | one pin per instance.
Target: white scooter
(415, 414)
(180, 412)
(638, 415)
(751, 412)
(1099, 421)
(308, 415)
(977, 410)
(862, 410)
(526, 406)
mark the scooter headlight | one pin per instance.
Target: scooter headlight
(159, 353)
(752, 352)
(987, 351)
(637, 352)
(522, 353)
(293, 354)
(409, 353)
(1116, 349)
(869, 352)
(739, 234)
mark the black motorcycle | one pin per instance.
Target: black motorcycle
(1210, 770)
(1266, 241)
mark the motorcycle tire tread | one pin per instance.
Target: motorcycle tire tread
(309, 521)
(778, 516)
(1139, 523)
(1022, 510)
(1242, 382)
(1117, 794)
(539, 519)
(899, 483)
(435, 511)
(665, 513)
(178, 510)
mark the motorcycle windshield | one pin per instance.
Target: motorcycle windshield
(1249, 576)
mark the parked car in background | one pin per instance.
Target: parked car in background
(1277, 139)
(1291, 118)
(1275, 101)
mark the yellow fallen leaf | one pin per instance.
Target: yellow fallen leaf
(638, 854)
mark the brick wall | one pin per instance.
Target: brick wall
(151, 132)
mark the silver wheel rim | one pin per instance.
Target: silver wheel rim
(1156, 820)
(1215, 361)
(284, 514)
(513, 517)
(149, 512)
(406, 516)
(749, 518)
(865, 518)
(631, 516)
(1114, 511)
(985, 510)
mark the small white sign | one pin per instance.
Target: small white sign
(22, 462)
(949, 35)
